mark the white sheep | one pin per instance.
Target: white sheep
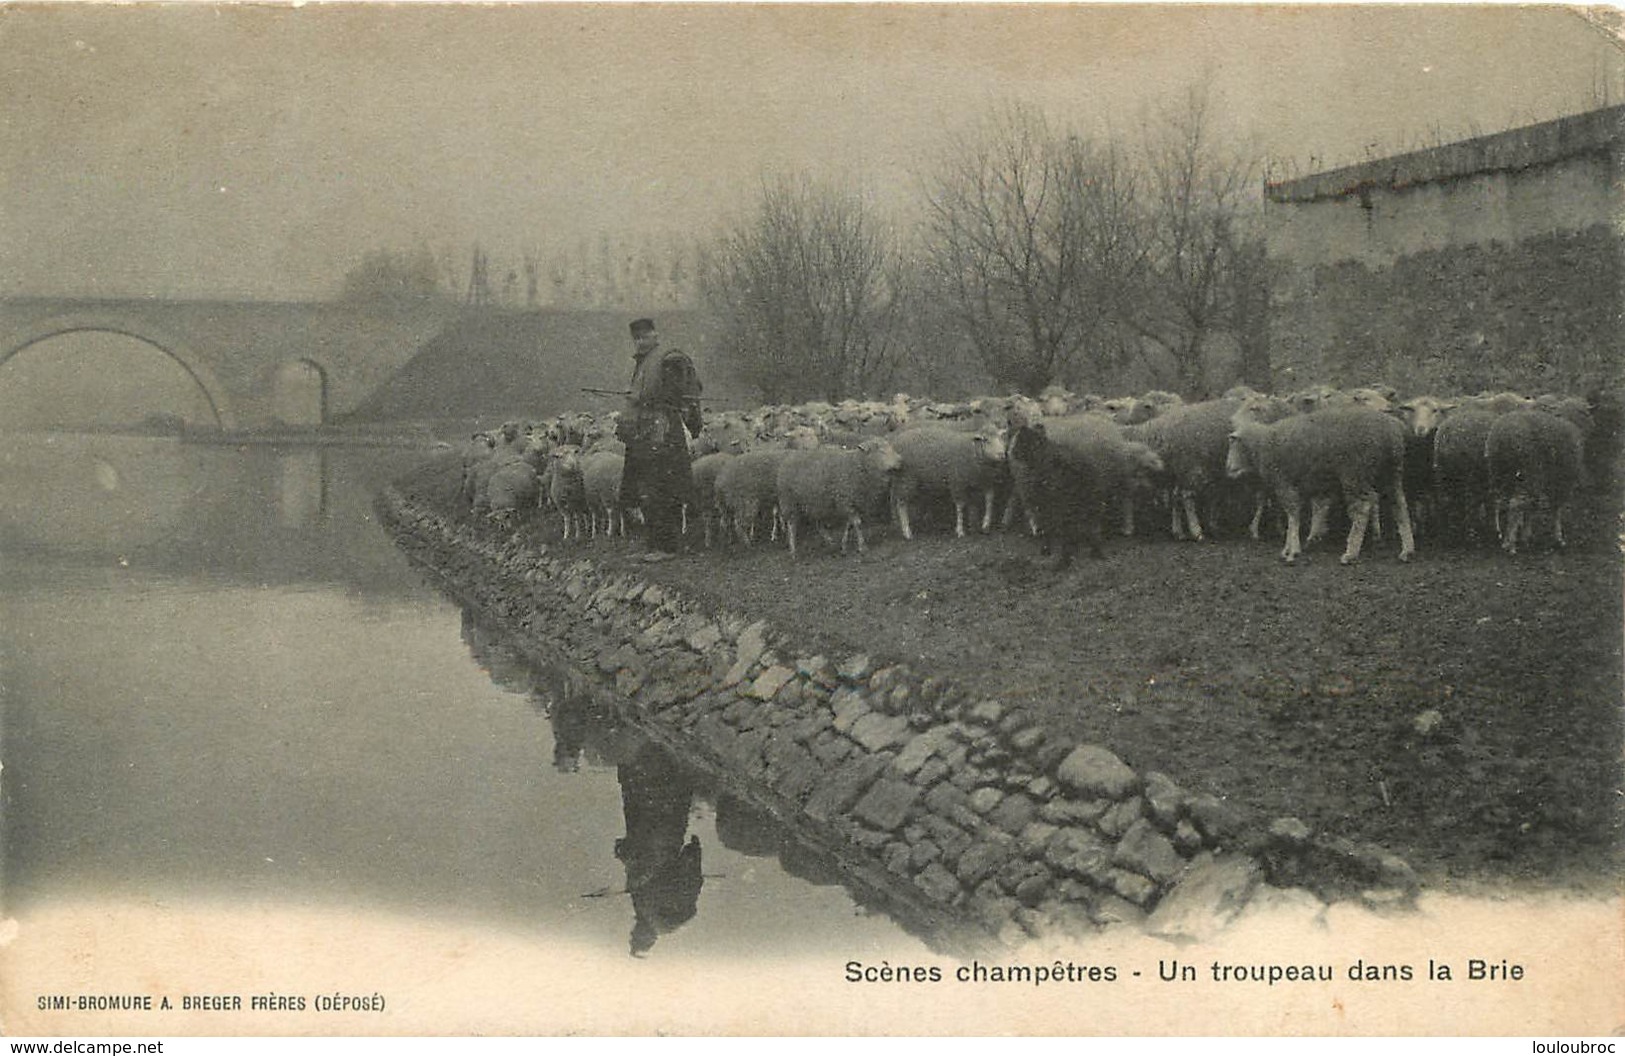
(566, 492)
(1355, 451)
(704, 472)
(937, 460)
(747, 487)
(1461, 472)
(1534, 460)
(515, 484)
(828, 486)
(1192, 440)
(601, 484)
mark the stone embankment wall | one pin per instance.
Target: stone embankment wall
(974, 820)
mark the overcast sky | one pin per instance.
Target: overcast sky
(258, 151)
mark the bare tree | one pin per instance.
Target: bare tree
(1204, 241)
(807, 290)
(387, 275)
(1034, 241)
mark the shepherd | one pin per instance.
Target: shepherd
(664, 402)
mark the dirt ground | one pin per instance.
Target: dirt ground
(1463, 710)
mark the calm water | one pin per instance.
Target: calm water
(221, 681)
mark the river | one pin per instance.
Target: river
(223, 685)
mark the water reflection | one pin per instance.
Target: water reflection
(660, 853)
(302, 487)
(249, 708)
(662, 861)
(270, 514)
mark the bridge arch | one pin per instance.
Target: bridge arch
(214, 391)
(301, 391)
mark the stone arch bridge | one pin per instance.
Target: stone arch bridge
(240, 352)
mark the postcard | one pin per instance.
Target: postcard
(808, 520)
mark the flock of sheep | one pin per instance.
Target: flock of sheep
(1486, 466)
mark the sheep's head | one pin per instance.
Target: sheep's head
(566, 459)
(1422, 414)
(881, 455)
(1145, 465)
(990, 445)
(1236, 462)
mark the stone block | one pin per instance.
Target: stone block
(984, 799)
(1073, 811)
(944, 799)
(1217, 820)
(1207, 898)
(925, 852)
(1035, 837)
(1026, 740)
(981, 860)
(1148, 852)
(1091, 771)
(1031, 891)
(1164, 800)
(1013, 813)
(847, 707)
(985, 712)
(938, 884)
(856, 668)
(841, 790)
(917, 749)
(877, 732)
(831, 749)
(1118, 819)
(769, 682)
(1079, 852)
(931, 772)
(817, 669)
(886, 805)
(1134, 887)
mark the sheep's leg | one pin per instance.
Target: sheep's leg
(1258, 518)
(959, 519)
(1402, 521)
(987, 511)
(1514, 521)
(684, 521)
(1187, 498)
(1176, 523)
(1557, 526)
(902, 519)
(1319, 512)
(854, 524)
(1359, 519)
(790, 534)
(1292, 548)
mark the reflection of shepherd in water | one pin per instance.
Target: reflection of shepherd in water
(662, 872)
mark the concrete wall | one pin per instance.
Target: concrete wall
(1488, 264)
